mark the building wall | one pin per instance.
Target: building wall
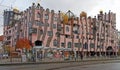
(82, 33)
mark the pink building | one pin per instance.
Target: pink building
(92, 36)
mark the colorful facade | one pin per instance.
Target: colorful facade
(1, 44)
(81, 34)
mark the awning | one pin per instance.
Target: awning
(52, 48)
(38, 47)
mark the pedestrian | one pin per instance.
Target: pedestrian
(33, 57)
(40, 56)
(81, 56)
(75, 57)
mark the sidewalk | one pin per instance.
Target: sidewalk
(53, 60)
(53, 65)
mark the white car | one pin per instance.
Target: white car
(5, 56)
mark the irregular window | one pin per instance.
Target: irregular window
(41, 31)
(69, 44)
(38, 15)
(54, 26)
(62, 44)
(92, 45)
(67, 29)
(50, 33)
(55, 42)
(46, 16)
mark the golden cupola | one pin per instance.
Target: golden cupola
(15, 10)
(83, 14)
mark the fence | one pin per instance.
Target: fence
(51, 59)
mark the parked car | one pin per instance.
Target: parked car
(5, 56)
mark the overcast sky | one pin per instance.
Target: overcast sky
(92, 7)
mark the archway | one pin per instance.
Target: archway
(38, 43)
(109, 51)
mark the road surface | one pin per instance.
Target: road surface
(110, 66)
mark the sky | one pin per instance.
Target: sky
(91, 7)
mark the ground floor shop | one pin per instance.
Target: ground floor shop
(68, 53)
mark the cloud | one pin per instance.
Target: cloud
(75, 5)
(107, 5)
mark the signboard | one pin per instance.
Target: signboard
(24, 58)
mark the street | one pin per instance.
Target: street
(65, 66)
(110, 66)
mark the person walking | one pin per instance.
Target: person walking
(81, 56)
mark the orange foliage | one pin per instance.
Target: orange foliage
(9, 49)
(65, 19)
(23, 43)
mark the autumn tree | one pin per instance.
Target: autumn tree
(23, 43)
(65, 18)
(9, 49)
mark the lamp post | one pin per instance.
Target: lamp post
(10, 53)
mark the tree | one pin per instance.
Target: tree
(65, 18)
(9, 49)
(23, 43)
